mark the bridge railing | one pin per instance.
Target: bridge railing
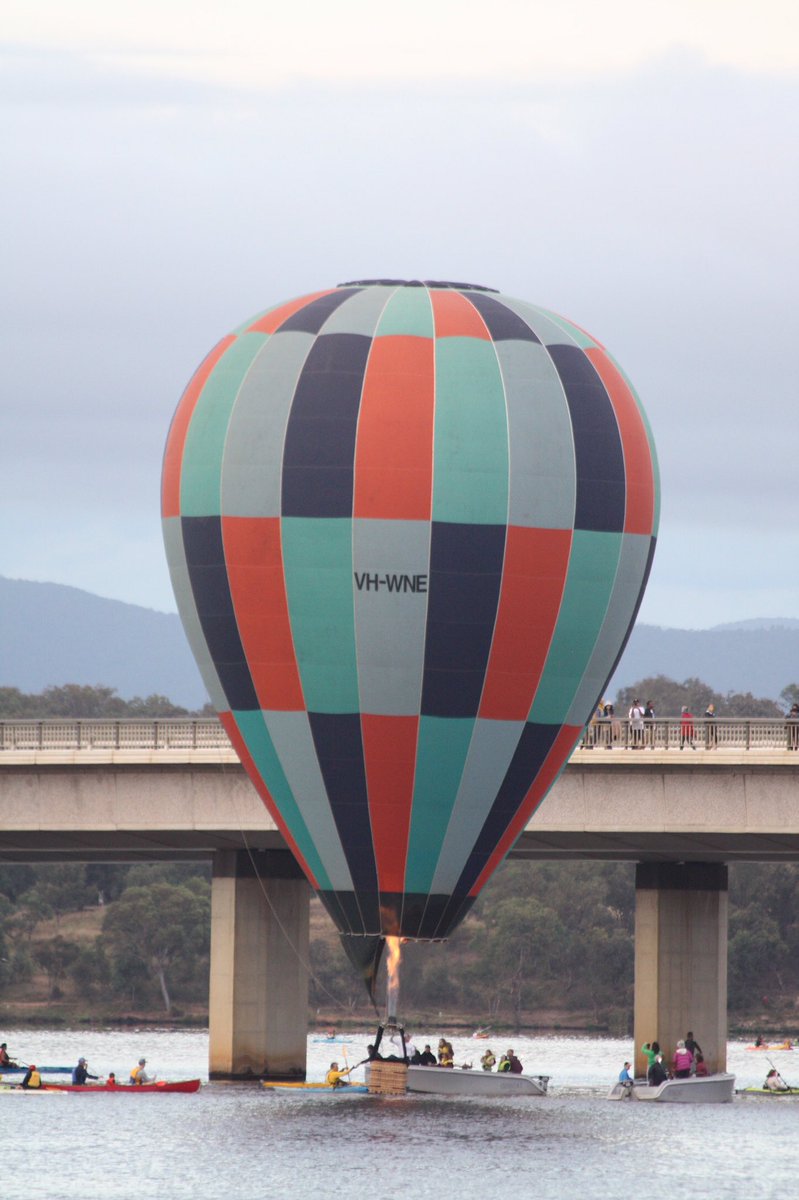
(193, 733)
(207, 734)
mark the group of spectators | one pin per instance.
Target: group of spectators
(604, 728)
(686, 1060)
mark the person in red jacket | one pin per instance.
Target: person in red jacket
(687, 728)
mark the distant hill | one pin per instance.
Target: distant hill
(53, 635)
(761, 656)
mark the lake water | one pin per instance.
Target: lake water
(234, 1141)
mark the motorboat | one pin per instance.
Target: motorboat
(455, 1081)
(696, 1089)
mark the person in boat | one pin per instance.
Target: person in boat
(624, 1074)
(774, 1082)
(31, 1078)
(504, 1063)
(5, 1057)
(336, 1078)
(80, 1073)
(427, 1058)
(651, 1050)
(682, 1061)
(488, 1061)
(138, 1075)
(692, 1044)
(515, 1067)
(759, 1041)
(446, 1055)
(657, 1073)
(700, 1065)
(111, 1081)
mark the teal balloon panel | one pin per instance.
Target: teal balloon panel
(409, 526)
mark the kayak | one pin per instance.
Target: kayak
(761, 1091)
(332, 1038)
(770, 1048)
(42, 1071)
(317, 1086)
(182, 1085)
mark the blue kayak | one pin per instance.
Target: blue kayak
(42, 1070)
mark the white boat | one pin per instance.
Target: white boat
(446, 1081)
(696, 1089)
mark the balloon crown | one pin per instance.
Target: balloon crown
(429, 283)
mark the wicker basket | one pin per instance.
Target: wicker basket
(388, 1078)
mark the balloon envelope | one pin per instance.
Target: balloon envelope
(408, 526)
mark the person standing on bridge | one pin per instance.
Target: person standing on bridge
(636, 716)
(649, 724)
(687, 728)
(792, 727)
(711, 732)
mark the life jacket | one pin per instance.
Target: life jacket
(136, 1073)
(35, 1080)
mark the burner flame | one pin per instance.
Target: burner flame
(393, 960)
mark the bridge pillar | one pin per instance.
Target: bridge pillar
(681, 958)
(258, 1002)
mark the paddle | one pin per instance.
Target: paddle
(788, 1087)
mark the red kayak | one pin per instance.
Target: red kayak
(183, 1085)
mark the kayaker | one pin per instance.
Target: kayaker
(775, 1082)
(488, 1060)
(80, 1073)
(138, 1075)
(335, 1077)
(111, 1081)
(32, 1078)
(5, 1058)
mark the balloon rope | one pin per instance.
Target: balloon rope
(303, 962)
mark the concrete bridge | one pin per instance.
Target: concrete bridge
(126, 791)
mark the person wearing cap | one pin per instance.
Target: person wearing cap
(80, 1073)
(32, 1078)
(138, 1075)
(682, 1061)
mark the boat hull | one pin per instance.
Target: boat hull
(443, 1081)
(127, 1089)
(316, 1088)
(703, 1089)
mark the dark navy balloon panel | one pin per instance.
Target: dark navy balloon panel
(408, 527)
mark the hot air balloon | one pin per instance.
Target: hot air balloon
(408, 526)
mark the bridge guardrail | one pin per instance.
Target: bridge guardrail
(207, 734)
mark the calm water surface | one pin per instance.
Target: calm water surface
(237, 1141)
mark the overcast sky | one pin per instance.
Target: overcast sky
(171, 167)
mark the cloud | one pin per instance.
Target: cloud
(146, 216)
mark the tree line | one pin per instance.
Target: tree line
(541, 935)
